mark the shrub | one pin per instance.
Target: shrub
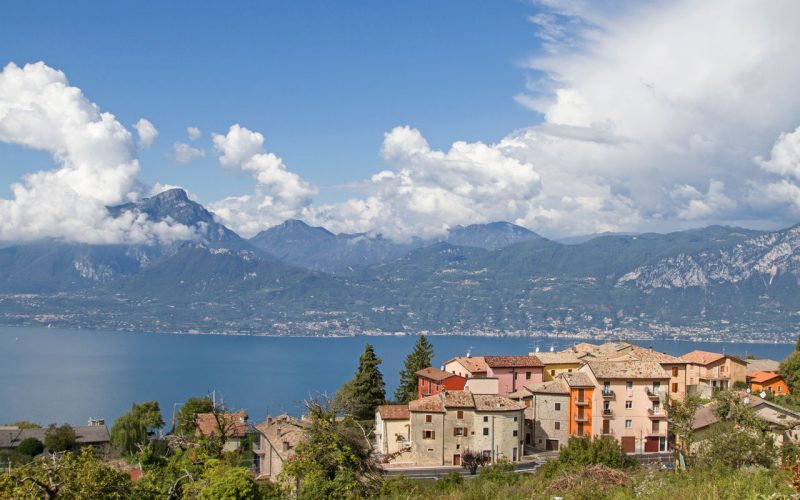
(471, 460)
(450, 482)
(739, 385)
(61, 438)
(31, 447)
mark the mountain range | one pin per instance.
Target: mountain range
(714, 282)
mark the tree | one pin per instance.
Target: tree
(790, 370)
(334, 459)
(681, 419)
(24, 424)
(60, 438)
(418, 359)
(368, 385)
(471, 460)
(222, 482)
(130, 431)
(31, 447)
(187, 416)
(66, 475)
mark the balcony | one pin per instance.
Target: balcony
(653, 394)
(582, 418)
(608, 413)
(608, 394)
(582, 402)
(657, 413)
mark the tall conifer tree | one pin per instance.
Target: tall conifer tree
(417, 359)
(368, 385)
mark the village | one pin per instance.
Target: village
(516, 409)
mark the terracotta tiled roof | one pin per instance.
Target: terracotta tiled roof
(761, 377)
(577, 379)
(763, 365)
(234, 424)
(463, 399)
(436, 374)
(512, 361)
(645, 354)
(472, 364)
(489, 402)
(550, 387)
(553, 358)
(702, 357)
(394, 412)
(627, 370)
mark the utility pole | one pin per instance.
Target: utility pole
(494, 452)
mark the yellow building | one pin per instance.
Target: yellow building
(556, 363)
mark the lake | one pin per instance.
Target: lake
(55, 375)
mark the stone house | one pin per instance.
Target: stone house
(546, 413)
(277, 441)
(444, 426)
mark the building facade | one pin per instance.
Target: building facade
(514, 372)
(392, 429)
(431, 381)
(546, 414)
(710, 371)
(277, 440)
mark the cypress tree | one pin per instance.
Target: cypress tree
(368, 385)
(416, 360)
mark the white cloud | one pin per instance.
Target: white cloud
(147, 133)
(785, 156)
(184, 153)
(96, 164)
(279, 194)
(194, 133)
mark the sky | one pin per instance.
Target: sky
(402, 119)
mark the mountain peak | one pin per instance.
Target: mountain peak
(491, 236)
(172, 195)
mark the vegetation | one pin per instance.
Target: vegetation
(360, 396)
(24, 424)
(31, 447)
(471, 460)
(680, 425)
(60, 438)
(585, 451)
(418, 359)
(131, 430)
(186, 424)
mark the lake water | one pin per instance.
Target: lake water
(54, 375)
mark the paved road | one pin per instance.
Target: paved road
(438, 472)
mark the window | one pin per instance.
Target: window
(460, 414)
(428, 418)
(485, 418)
(656, 426)
(428, 435)
(516, 375)
(558, 406)
(674, 371)
(515, 419)
(629, 386)
(558, 426)
(780, 388)
(485, 431)
(515, 433)
(628, 404)
(552, 373)
(674, 387)
(458, 446)
(629, 424)
(570, 370)
(527, 403)
(527, 375)
(459, 431)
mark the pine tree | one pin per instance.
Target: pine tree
(417, 359)
(368, 385)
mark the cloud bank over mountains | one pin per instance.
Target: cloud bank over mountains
(653, 116)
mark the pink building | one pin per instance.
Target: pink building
(514, 372)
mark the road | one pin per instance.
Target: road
(438, 472)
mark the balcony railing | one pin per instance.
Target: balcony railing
(582, 402)
(608, 413)
(657, 413)
(653, 393)
(582, 418)
(608, 394)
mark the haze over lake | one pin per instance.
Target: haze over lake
(53, 375)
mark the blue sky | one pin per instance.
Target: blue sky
(321, 80)
(402, 119)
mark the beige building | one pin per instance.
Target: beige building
(710, 371)
(392, 429)
(556, 363)
(467, 366)
(546, 413)
(278, 439)
(444, 426)
(629, 403)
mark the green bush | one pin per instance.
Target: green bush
(31, 447)
(450, 482)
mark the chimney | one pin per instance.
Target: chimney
(269, 421)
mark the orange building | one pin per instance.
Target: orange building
(581, 392)
(770, 382)
(431, 381)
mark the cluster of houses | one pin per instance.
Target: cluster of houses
(512, 406)
(507, 407)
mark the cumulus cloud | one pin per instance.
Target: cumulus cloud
(185, 153)
(194, 133)
(279, 194)
(96, 165)
(147, 133)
